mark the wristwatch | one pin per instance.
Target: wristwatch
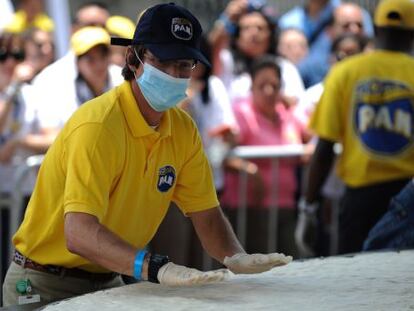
(155, 263)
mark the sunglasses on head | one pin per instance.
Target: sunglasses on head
(17, 55)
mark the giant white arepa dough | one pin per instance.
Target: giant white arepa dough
(370, 281)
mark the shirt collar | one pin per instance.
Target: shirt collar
(136, 122)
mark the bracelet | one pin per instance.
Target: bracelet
(138, 263)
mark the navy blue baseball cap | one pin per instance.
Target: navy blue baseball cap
(169, 31)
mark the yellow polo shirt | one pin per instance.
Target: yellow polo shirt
(109, 163)
(368, 106)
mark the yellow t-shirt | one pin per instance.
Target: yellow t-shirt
(19, 23)
(109, 163)
(368, 106)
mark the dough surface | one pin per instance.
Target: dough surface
(369, 281)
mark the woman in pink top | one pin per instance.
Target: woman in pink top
(263, 120)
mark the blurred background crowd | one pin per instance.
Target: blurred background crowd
(269, 60)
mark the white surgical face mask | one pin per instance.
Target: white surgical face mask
(161, 90)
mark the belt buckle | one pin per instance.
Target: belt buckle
(19, 259)
(56, 270)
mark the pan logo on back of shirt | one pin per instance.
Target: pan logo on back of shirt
(166, 178)
(383, 116)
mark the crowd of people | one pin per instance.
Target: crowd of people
(318, 75)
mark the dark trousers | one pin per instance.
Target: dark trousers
(361, 208)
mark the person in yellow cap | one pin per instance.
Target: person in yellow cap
(88, 75)
(119, 26)
(30, 14)
(367, 106)
(91, 48)
(61, 100)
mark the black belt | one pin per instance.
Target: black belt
(25, 262)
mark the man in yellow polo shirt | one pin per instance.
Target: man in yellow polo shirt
(368, 106)
(107, 181)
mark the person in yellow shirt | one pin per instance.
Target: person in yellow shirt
(30, 14)
(367, 106)
(107, 181)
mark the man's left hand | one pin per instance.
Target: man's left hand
(255, 263)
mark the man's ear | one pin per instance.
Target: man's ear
(131, 58)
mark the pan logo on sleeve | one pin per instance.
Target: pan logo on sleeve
(181, 28)
(166, 178)
(383, 116)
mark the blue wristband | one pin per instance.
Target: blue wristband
(138, 263)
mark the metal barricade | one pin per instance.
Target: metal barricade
(274, 153)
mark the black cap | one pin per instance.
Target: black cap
(169, 31)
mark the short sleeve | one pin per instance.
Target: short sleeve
(195, 189)
(326, 121)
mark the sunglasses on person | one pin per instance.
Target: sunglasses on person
(17, 55)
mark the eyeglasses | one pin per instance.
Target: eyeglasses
(184, 66)
(17, 55)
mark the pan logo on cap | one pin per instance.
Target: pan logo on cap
(181, 28)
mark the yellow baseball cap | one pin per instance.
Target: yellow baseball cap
(88, 37)
(395, 13)
(120, 26)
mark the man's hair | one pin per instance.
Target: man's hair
(265, 61)
(99, 4)
(242, 62)
(88, 4)
(205, 48)
(394, 39)
(132, 60)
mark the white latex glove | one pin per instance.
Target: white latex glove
(255, 263)
(306, 228)
(176, 275)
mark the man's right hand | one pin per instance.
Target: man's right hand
(176, 275)
(306, 228)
